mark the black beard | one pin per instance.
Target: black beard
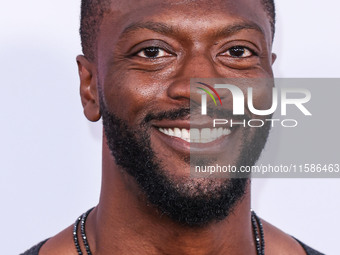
(196, 204)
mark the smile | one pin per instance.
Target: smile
(195, 135)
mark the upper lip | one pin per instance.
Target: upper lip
(186, 124)
(201, 122)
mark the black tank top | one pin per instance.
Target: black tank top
(35, 249)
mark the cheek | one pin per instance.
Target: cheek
(132, 94)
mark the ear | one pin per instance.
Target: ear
(88, 89)
(273, 58)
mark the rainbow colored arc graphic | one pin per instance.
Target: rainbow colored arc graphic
(209, 93)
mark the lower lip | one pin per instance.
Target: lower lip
(177, 144)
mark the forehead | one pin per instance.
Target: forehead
(199, 16)
(249, 7)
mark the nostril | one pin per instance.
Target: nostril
(179, 90)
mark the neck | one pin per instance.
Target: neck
(124, 223)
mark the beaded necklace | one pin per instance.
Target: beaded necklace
(255, 221)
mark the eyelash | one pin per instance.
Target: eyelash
(165, 53)
(153, 49)
(238, 47)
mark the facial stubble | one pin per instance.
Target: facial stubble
(191, 202)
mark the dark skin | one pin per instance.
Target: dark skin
(192, 39)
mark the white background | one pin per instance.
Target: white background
(50, 155)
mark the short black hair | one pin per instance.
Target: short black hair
(92, 12)
(269, 7)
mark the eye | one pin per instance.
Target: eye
(239, 52)
(152, 52)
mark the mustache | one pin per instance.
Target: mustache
(181, 113)
(186, 113)
(226, 114)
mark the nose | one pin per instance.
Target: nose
(198, 66)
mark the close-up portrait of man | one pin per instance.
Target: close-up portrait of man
(169, 88)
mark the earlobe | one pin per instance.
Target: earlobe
(273, 58)
(88, 89)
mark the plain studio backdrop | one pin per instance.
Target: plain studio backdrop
(51, 155)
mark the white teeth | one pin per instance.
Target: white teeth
(219, 132)
(205, 135)
(213, 134)
(185, 135)
(177, 132)
(194, 135)
(226, 131)
(171, 132)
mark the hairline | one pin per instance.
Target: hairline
(106, 8)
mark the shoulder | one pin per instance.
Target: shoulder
(278, 242)
(59, 244)
(35, 249)
(309, 250)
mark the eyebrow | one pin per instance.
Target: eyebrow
(237, 27)
(158, 27)
(165, 29)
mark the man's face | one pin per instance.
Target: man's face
(147, 52)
